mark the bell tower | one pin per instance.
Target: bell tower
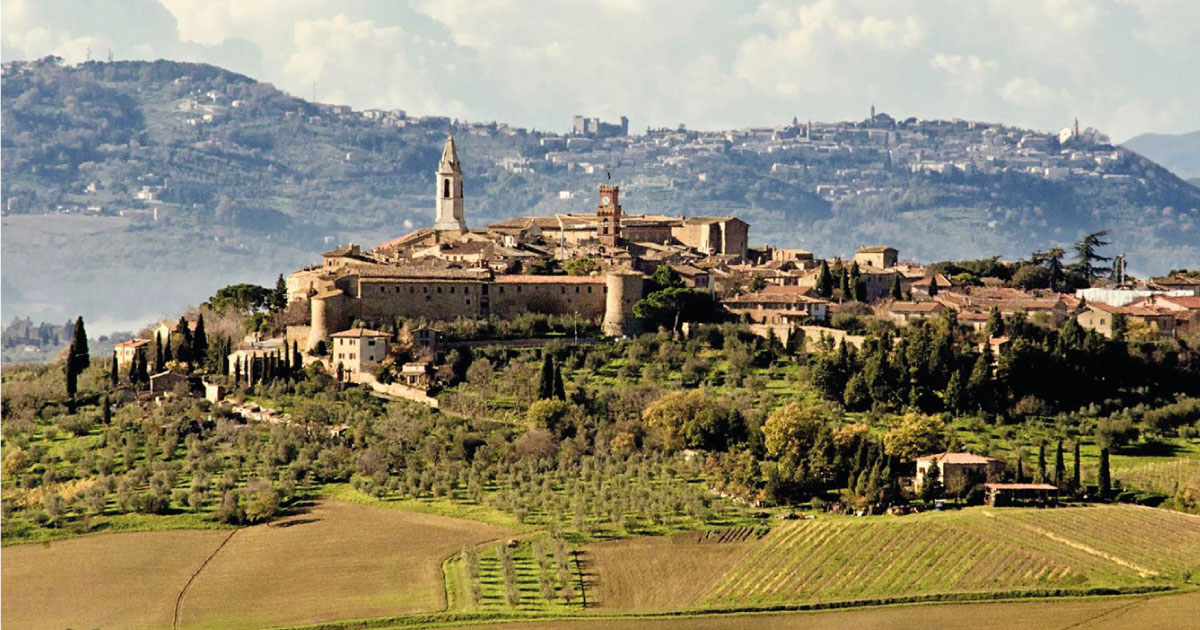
(608, 216)
(450, 191)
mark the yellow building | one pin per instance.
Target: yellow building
(358, 348)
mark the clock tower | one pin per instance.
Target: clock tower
(450, 191)
(608, 216)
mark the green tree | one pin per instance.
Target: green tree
(1060, 468)
(1120, 326)
(858, 289)
(199, 346)
(933, 286)
(995, 323)
(955, 393)
(1103, 477)
(1041, 469)
(546, 414)
(580, 266)
(1077, 481)
(791, 430)
(824, 286)
(981, 387)
(1087, 257)
(114, 378)
(546, 381)
(158, 353)
(78, 358)
(183, 352)
(757, 283)
(896, 292)
(278, 299)
(245, 298)
(914, 435)
(844, 285)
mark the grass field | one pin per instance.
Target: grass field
(1162, 612)
(335, 560)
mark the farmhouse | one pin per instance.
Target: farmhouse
(957, 470)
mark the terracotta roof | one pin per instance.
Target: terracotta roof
(356, 333)
(517, 278)
(958, 458)
(915, 307)
(132, 343)
(875, 249)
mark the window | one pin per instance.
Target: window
(439, 289)
(484, 289)
(370, 342)
(452, 289)
(445, 188)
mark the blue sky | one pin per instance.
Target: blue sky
(1122, 66)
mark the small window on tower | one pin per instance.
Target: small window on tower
(446, 188)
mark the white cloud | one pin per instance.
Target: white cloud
(706, 63)
(1028, 92)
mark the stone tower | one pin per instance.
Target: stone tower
(450, 191)
(623, 290)
(608, 216)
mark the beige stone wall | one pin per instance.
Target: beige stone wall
(586, 299)
(357, 354)
(432, 299)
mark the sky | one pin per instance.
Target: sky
(1122, 66)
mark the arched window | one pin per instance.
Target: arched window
(446, 188)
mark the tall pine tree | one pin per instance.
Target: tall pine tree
(159, 363)
(1103, 478)
(114, 378)
(1060, 468)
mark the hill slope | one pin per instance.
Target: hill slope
(1179, 153)
(206, 177)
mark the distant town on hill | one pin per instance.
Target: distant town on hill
(131, 187)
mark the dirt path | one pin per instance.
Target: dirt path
(184, 590)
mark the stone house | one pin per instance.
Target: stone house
(878, 257)
(126, 350)
(358, 349)
(957, 471)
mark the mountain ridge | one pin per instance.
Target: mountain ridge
(248, 182)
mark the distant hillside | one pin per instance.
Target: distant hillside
(131, 189)
(1178, 153)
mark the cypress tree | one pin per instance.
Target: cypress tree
(105, 410)
(237, 371)
(954, 392)
(844, 285)
(1041, 474)
(78, 358)
(168, 356)
(995, 323)
(133, 369)
(297, 360)
(933, 286)
(199, 340)
(824, 286)
(1077, 481)
(1020, 467)
(1060, 469)
(858, 290)
(113, 377)
(560, 392)
(1103, 479)
(896, 291)
(158, 353)
(546, 384)
(143, 374)
(184, 352)
(279, 295)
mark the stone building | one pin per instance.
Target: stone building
(880, 257)
(358, 349)
(957, 471)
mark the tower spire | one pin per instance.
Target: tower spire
(450, 191)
